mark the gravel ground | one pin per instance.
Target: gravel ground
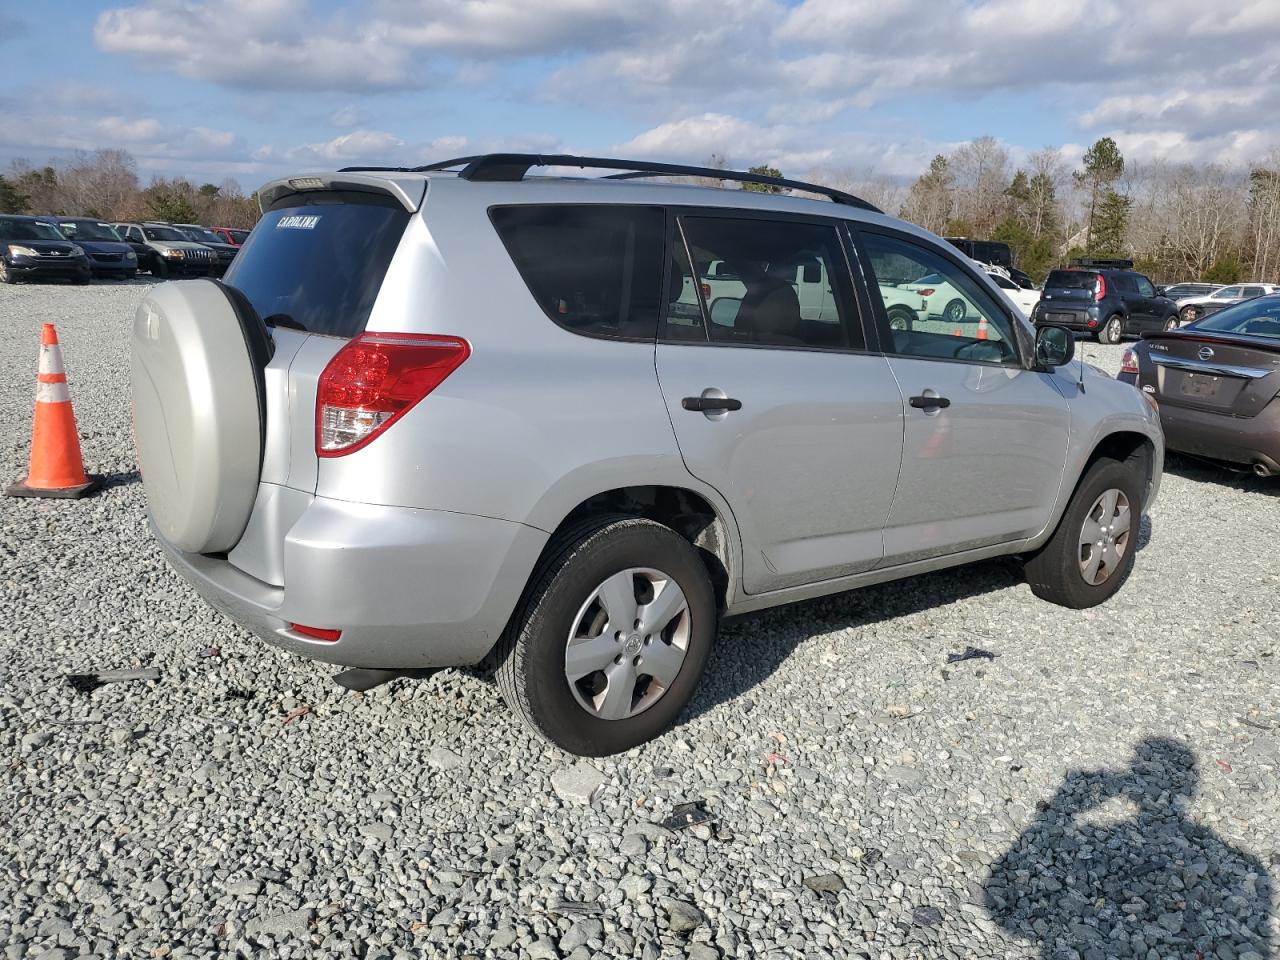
(1105, 787)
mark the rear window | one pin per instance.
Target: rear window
(595, 270)
(318, 267)
(1071, 279)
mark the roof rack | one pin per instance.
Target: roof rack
(492, 167)
(1102, 263)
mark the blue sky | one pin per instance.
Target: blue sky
(252, 88)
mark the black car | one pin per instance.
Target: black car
(1105, 298)
(109, 255)
(226, 251)
(32, 248)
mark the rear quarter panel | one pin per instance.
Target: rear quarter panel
(536, 420)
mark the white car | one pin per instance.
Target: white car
(904, 307)
(1025, 298)
(941, 299)
(1194, 308)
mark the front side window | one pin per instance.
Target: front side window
(595, 270)
(958, 320)
(774, 283)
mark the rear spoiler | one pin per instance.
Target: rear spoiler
(408, 191)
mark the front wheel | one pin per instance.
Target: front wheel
(611, 637)
(1091, 554)
(1111, 330)
(1172, 322)
(1187, 315)
(5, 275)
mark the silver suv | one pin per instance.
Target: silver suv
(563, 425)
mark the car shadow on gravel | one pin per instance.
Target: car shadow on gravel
(1147, 882)
(1205, 471)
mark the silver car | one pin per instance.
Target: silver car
(458, 414)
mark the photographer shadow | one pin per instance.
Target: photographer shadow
(1152, 884)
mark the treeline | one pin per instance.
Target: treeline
(1176, 221)
(105, 184)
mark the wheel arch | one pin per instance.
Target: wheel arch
(707, 526)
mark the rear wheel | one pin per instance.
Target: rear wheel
(611, 637)
(1090, 555)
(901, 318)
(955, 311)
(1111, 330)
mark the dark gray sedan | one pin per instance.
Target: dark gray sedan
(1217, 381)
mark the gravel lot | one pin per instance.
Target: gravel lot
(1106, 787)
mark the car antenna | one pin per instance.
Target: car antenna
(1081, 381)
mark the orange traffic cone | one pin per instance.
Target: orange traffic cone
(957, 333)
(56, 468)
(982, 328)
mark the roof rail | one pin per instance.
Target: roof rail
(514, 166)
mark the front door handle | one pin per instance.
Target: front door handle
(929, 403)
(707, 404)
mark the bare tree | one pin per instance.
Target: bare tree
(981, 172)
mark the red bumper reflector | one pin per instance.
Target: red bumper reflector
(316, 633)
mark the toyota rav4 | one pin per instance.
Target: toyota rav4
(457, 414)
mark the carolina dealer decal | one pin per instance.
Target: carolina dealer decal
(297, 223)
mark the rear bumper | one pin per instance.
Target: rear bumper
(407, 588)
(1243, 440)
(1086, 319)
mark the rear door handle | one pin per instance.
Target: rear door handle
(706, 404)
(929, 403)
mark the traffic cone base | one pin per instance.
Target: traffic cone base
(56, 469)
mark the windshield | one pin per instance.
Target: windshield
(1071, 279)
(1256, 318)
(28, 230)
(89, 230)
(239, 236)
(163, 233)
(201, 235)
(319, 267)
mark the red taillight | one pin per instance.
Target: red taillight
(1100, 290)
(1129, 363)
(316, 633)
(376, 378)
(926, 292)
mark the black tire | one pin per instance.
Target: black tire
(1054, 572)
(901, 318)
(1187, 315)
(1112, 329)
(956, 311)
(531, 654)
(159, 269)
(5, 275)
(1171, 322)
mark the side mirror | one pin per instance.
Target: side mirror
(1055, 346)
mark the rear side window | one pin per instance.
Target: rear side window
(595, 270)
(319, 266)
(769, 283)
(1071, 279)
(1125, 282)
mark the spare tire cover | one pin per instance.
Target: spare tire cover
(197, 412)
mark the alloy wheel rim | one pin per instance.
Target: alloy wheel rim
(627, 643)
(1104, 537)
(1113, 330)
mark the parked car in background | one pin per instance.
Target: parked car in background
(109, 255)
(1184, 291)
(1024, 298)
(226, 251)
(169, 252)
(1194, 308)
(1105, 298)
(33, 248)
(477, 435)
(232, 235)
(1217, 382)
(941, 299)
